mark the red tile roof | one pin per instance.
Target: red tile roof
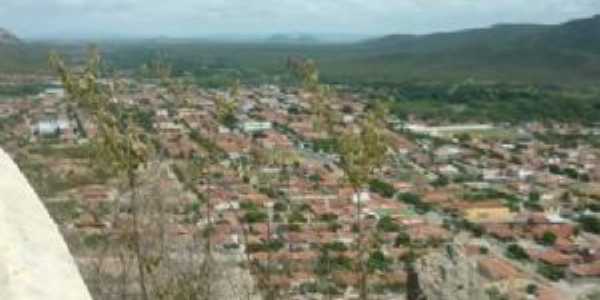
(553, 257)
(586, 270)
(498, 269)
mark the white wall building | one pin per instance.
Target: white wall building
(50, 127)
(254, 126)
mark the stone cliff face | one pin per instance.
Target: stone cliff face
(449, 274)
(35, 262)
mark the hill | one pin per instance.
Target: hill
(17, 56)
(292, 38)
(7, 37)
(541, 53)
(582, 34)
(567, 53)
(495, 36)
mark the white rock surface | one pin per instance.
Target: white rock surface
(35, 262)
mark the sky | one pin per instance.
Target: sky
(198, 18)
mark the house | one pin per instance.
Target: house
(427, 232)
(96, 193)
(586, 270)
(51, 127)
(559, 230)
(449, 170)
(273, 139)
(497, 269)
(552, 257)
(403, 186)
(448, 152)
(182, 148)
(550, 293)
(501, 231)
(493, 175)
(233, 145)
(438, 196)
(169, 129)
(89, 222)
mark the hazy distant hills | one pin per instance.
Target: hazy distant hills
(8, 38)
(497, 36)
(10, 51)
(301, 38)
(17, 56)
(565, 53)
(582, 35)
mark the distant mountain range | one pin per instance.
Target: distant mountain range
(581, 35)
(564, 53)
(301, 38)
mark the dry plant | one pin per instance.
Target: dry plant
(139, 259)
(120, 145)
(362, 151)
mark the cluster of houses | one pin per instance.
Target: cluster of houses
(291, 210)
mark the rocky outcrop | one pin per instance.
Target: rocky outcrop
(449, 274)
(35, 262)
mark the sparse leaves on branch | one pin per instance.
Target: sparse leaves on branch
(121, 145)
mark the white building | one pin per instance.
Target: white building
(254, 126)
(50, 127)
(361, 197)
(441, 130)
(57, 92)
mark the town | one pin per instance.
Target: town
(517, 204)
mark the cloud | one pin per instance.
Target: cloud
(201, 17)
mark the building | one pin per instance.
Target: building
(254, 126)
(446, 130)
(51, 127)
(57, 92)
(497, 269)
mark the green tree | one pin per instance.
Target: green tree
(378, 262)
(548, 238)
(590, 224)
(532, 289)
(386, 224)
(409, 198)
(382, 188)
(402, 239)
(255, 216)
(534, 197)
(517, 252)
(553, 273)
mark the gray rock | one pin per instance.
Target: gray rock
(449, 274)
(35, 262)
